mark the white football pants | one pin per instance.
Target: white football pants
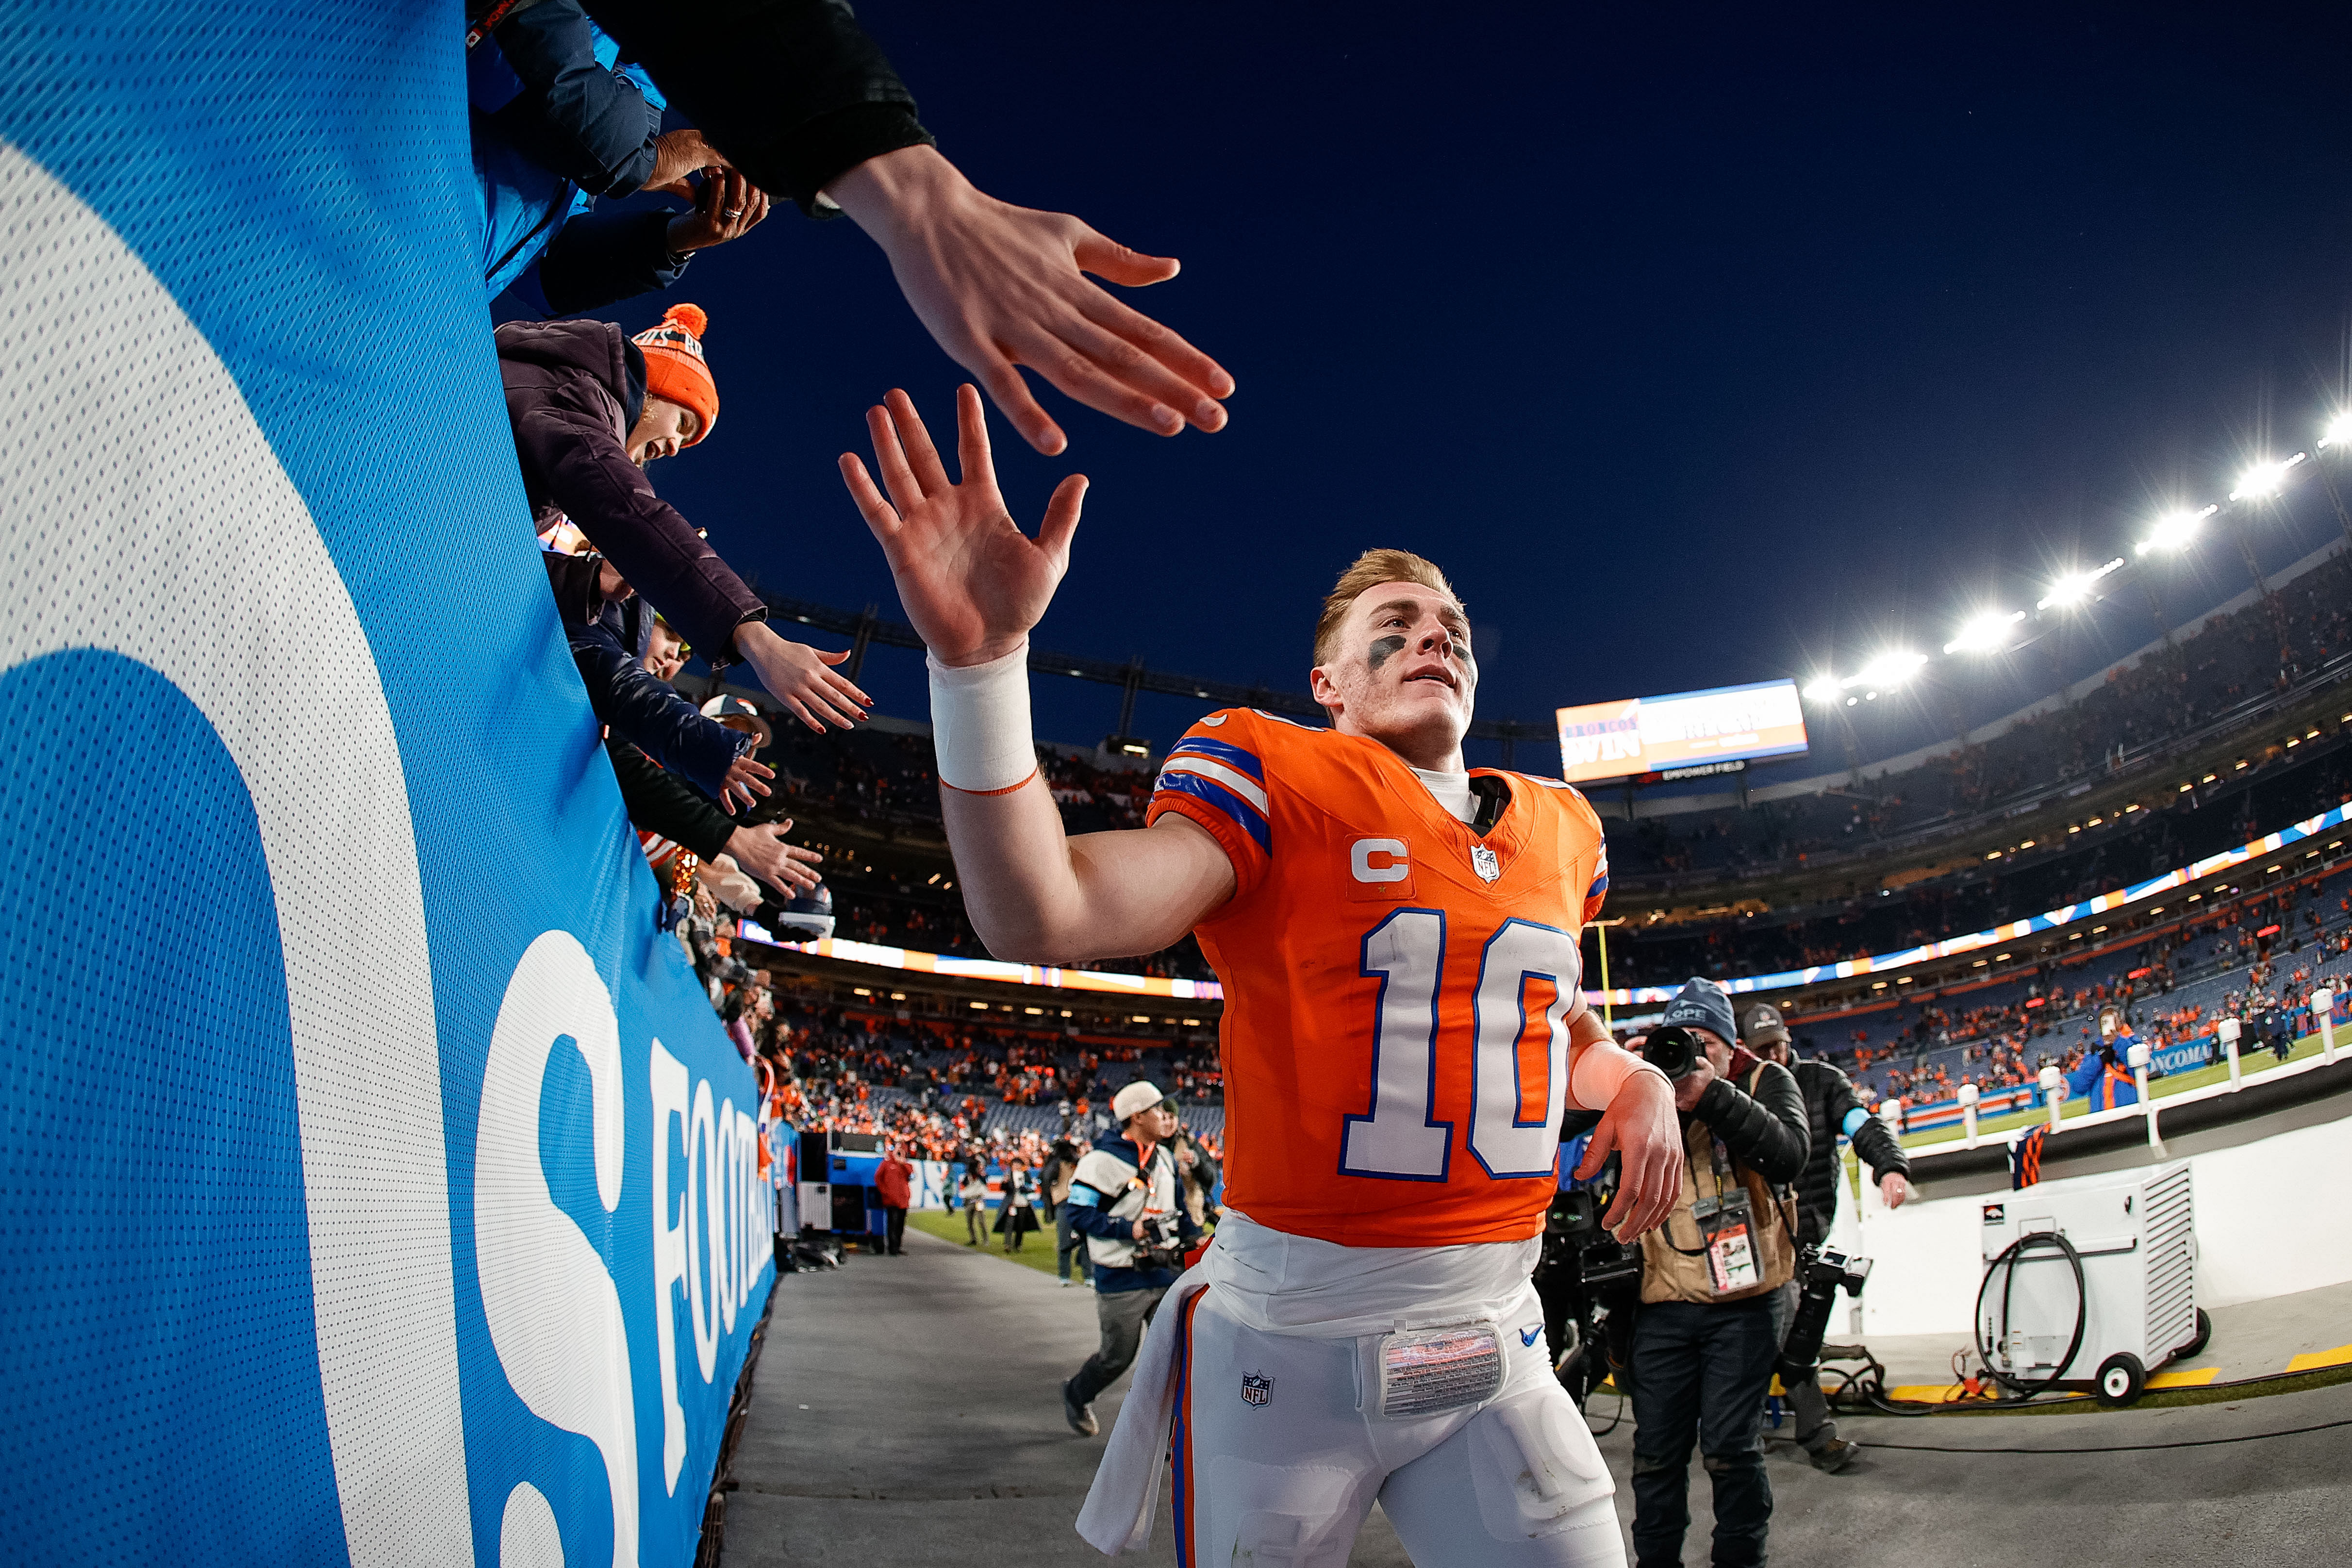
(1284, 1469)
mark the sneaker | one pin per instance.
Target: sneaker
(1081, 1417)
(1834, 1455)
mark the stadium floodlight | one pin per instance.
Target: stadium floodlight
(2339, 430)
(1828, 688)
(2174, 531)
(1983, 634)
(2264, 479)
(1890, 669)
(2075, 586)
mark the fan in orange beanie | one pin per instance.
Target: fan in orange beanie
(678, 374)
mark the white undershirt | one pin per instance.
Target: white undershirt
(1453, 791)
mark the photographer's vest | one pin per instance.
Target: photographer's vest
(1121, 1191)
(1682, 1259)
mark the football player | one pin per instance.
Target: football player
(1398, 940)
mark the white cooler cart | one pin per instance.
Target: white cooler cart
(2130, 1310)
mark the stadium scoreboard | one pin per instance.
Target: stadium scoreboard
(1650, 734)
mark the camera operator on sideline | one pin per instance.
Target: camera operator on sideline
(1705, 1339)
(1125, 1202)
(1833, 1106)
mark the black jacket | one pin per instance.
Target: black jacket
(1830, 1095)
(608, 639)
(573, 391)
(792, 92)
(661, 802)
(568, 114)
(1766, 1131)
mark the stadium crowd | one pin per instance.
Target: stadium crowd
(569, 99)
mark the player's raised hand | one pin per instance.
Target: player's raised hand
(1640, 1125)
(972, 583)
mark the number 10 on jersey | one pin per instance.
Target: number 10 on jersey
(1514, 1112)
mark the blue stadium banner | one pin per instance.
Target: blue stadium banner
(392, 1197)
(2187, 1055)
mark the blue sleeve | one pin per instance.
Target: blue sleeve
(2086, 1073)
(645, 711)
(1087, 1215)
(573, 116)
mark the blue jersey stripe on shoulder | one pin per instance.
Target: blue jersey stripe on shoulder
(1224, 751)
(1246, 816)
(1600, 885)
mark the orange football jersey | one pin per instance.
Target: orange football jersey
(1397, 986)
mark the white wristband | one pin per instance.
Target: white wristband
(980, 723)
(1600, 1071)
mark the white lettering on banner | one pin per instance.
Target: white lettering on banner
(1394, 867)
(527, 1536)
(112, 528)
(726, 1243)
(669, 1090)
(702, 1299)
(553, 1311)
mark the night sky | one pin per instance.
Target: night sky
(1700, 345)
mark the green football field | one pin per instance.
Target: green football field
(2253, 1065)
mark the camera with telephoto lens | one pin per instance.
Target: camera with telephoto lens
(1674, 1051)
(1824, 1274)
(1159, 1247)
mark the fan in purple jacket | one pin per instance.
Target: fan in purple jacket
(584, 425)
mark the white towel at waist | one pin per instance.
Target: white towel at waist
(1279, 1283)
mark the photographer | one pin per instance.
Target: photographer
(1124, 1200)
(1833, 1106)
(1704, 1344)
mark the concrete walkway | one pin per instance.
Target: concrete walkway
(905, 1415)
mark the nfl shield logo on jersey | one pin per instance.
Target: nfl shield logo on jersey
(1257, 1388)
(1486, 862)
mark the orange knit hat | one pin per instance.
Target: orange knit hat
(675, 368)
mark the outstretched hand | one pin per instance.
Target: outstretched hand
(1641, 1125)
(972, 583)
(1000, 287)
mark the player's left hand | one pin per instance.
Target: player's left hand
(971, 582)
(1640, 1125)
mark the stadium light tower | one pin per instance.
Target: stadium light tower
(2338, 432)
(1825, 689)
(2174, 531)
(1984, 634)
(2075, 587)
(1890, 669)
(2264, 480)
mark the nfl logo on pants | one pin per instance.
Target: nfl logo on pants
(1257, 1388)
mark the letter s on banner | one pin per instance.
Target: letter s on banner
(554, 1313)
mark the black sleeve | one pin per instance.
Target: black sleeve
(1873, 1140)
(660, 802)
(1767, 1131)
(573, 117)
(598, 258)
(792, 92)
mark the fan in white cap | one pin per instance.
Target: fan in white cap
(1136, 1097)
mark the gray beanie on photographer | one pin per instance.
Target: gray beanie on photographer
(1703, 1004)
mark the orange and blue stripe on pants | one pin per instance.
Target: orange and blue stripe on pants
(1180, 1445)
